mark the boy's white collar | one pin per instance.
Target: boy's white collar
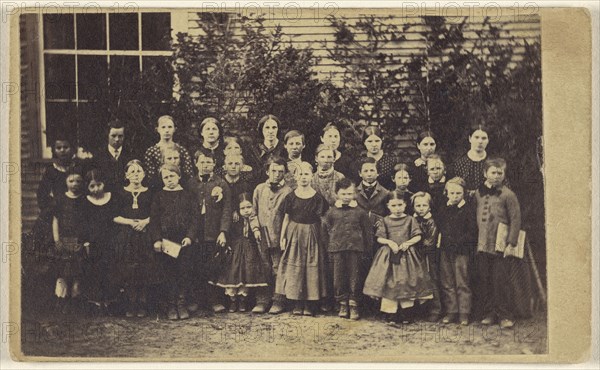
(459, 205)
(352, 204)
(176, 189)
(431, 181)
(426, 217)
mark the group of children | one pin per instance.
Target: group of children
(303, 239)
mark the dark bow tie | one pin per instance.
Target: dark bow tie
(204, 178)
(484, 190)
(274, 186)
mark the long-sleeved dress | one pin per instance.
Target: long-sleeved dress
(135, 263)
(302, 270)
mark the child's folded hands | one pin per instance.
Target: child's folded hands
(394, 246)
(186, 242)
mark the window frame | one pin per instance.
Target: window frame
(178, 24)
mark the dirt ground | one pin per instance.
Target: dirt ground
(244, 336)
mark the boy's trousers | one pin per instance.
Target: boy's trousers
(454, 274)
(493, 288)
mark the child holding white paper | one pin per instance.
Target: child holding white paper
(496, 204)
(174, 216)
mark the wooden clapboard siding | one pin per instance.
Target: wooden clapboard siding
(31, 168)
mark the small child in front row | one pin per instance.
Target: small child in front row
(66, 230)
(494, 268)
(457, 225)
(347, 234)
(428, 247)
(174, 216)
(244, 270)
(398, 276)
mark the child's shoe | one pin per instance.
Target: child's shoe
(182, 311)
(218, 308)
(242, 304)
(276, 308)
(172, 312)
(233, 306)
(259, 308)
(298, 309)
(308, 310)
(354, 313)
(463, 318)
(343, 310)
(488, 320)
(449, 318)
(141, 313)
(192, 307)
(506, 324)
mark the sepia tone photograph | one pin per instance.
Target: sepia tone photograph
(281, 183)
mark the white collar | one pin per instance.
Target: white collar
(459, 205)
(100, 202)
(59, 168)
(426, 217)
(419, 162)
(280, 183)
(72, 196)
(140, 190)
(112, 150)
(176, 189)
(430, 180)
(366, 184)
(352, 204)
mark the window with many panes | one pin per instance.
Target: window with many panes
(89, 63)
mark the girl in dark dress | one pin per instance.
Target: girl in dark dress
(244, 270)
(97, 232)
(135, 266)
(302, 271)
(426, 143)
(52, 184)
(65, 230)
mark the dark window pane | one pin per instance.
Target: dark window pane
(92, 119)
(156, 31)
(93, 77)
(157, 78)
(58, 31)
(123, 31)
(124, 78)
(60, 76)
(60, 117)
(91, 31)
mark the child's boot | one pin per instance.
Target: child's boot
(182, 309)
(354, 313)
(242, 303)
(343, 309)
(233, 304)
(172, 310)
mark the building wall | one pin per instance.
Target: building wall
(304, 29)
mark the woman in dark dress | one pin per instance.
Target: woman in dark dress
(212, 140)
(135, 265)
(426, 143)
(470, 165)
(270, 145)
(343, 161)
(373, 140)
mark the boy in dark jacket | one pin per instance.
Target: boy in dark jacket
(458, 227)
(347, 234)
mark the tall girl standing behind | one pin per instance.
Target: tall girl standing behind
(244, 270)
(398, 276)
(98, 229)
(135, 256)
(301, 276)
